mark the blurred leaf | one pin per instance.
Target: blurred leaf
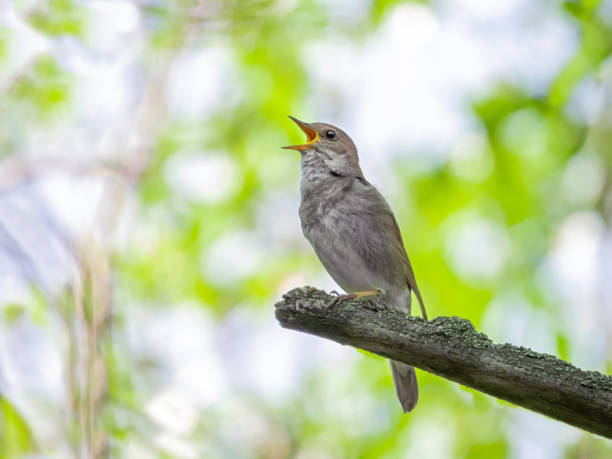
(15, 436)
(45, 88)
(59, 17)
(381, 8)
(12, 312)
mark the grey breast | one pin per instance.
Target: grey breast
(341, 218)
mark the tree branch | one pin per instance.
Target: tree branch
(450, 347)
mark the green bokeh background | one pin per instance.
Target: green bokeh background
(528, 141)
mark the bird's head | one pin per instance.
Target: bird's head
(331, 145)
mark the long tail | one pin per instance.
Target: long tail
(405, 382)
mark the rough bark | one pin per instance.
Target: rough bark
(450, 347)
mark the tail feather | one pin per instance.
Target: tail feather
(405, 382)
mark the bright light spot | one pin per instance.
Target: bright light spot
(397, 101)
(583, 179)
(263, 358)
(578, 261)
(27, 42)
(506, 318)
(277, 218)
(588, 101)
(173, 410)
(203, 177)
(181, 340)
(179, 336)
(30, 363)
(462, 65)
(418, 442)
(391, 103)
(352, 11)
(268, 361)
(523, 132)
(13, 288)
(233, 257)
(535, 436)
(405, 90)
(477, 249)
(101, 92)
(606, 273)
(412, 25)
(272, 366)
(198, 81)
(249, 432)
(142, 448)
(175, 446)
(75, 201)
(203, 379)
(470, 159)
(510, 317)
(109, 24)
(33, 243)
(605, 11)
(546, 42)
(576, 249)
(487, 10)
(125, 14)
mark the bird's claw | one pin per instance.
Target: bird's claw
(351, 296)
(310, 290)
(339, 298)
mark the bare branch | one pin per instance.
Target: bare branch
(450, 347)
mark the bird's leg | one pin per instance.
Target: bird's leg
(351, 296)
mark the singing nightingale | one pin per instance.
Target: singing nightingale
(354, 232)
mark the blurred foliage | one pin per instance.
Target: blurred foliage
(59, 17)
(514, 183)
(15, 436)
(43, 89)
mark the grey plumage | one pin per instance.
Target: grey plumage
(353, 231)
(405, 382)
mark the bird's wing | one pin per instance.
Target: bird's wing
(399, 246)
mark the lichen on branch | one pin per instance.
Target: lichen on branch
(452, 348)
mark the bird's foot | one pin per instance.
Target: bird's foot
(349, 296)
(338, 299)
(310, 290)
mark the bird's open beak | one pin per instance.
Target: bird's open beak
(311, 135)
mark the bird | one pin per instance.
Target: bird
(354, 233)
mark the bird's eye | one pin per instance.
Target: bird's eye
(330, 134)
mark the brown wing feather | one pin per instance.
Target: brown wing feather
(410, 279)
